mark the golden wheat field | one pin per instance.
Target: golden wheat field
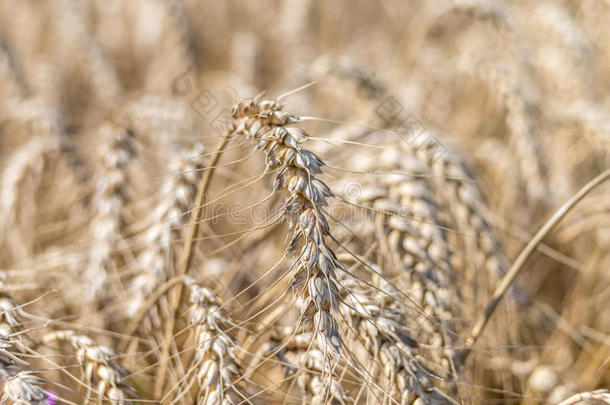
(305, 202)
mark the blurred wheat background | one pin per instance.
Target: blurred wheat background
(294, 202)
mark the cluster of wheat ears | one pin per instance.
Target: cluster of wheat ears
(293, 202)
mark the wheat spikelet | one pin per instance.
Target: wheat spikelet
(546, 382)
(466, 205)
(21, 388)
(398, 189)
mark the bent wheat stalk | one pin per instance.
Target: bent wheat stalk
(186, 257)
(525, 254)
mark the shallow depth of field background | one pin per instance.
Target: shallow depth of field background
(110, 111)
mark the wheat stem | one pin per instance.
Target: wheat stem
(519, 263)
(185, 262)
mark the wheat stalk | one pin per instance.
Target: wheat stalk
(519, 263)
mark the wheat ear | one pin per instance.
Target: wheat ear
(157, 261)
(218, 372)
(315, 277)
(298, 356)
(466, 205)
(380, 322)
(109, 201)
(101, 372)
(585, 397)
(20, 385)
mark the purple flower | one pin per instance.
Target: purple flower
(52, 397)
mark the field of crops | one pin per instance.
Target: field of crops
(305, 202)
